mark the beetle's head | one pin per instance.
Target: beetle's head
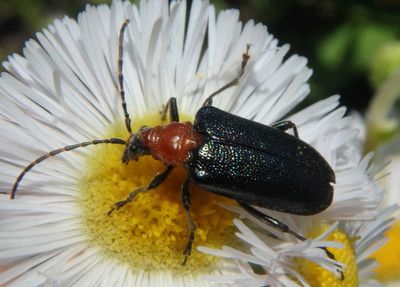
(135, 146)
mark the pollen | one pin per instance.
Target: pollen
(388, 256)
(318, 276)
(150, 233)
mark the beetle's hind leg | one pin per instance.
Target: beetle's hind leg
(286, 125)
(191, 225)
(173, 110)
(156, 181)
(275, 223)
(234, 82)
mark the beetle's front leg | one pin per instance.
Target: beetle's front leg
(286, 125)
(173, 110)
(192, 227)
(156, 181)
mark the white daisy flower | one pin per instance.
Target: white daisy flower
(357, 241)
(65, 90)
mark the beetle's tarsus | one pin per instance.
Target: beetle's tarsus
(341, 274)
(122, 203)
(111, 211)
(188, 249)
(296, 235)
(185, 260)
(245, 57)
(332, 256)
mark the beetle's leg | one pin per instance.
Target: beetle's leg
(275, 223)
(234, 82)
(156, 181)
(189, 219)
(286, 125)
(173, 110)
(270, 221)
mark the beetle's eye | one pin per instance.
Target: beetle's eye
(136, 148)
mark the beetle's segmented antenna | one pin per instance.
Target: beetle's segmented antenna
(57, 151)
(121, 75)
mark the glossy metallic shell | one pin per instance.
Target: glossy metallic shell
(259, 165)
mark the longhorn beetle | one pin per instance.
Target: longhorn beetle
(254, 164)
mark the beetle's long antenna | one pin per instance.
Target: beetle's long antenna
(121, 75)
(57, 151)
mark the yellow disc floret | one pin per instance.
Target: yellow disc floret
(388, 256)
(317, 276)
(150, 233)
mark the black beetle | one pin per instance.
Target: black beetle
(254, 164)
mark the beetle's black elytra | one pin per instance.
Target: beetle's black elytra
(252, 163)
(259, 165)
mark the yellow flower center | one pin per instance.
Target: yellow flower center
(317, 276)
(151, 232)
(388, 256)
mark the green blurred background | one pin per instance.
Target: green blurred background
(341, 39)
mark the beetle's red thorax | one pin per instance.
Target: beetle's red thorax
(172, 143)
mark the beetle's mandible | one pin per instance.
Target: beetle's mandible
(254, 164)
